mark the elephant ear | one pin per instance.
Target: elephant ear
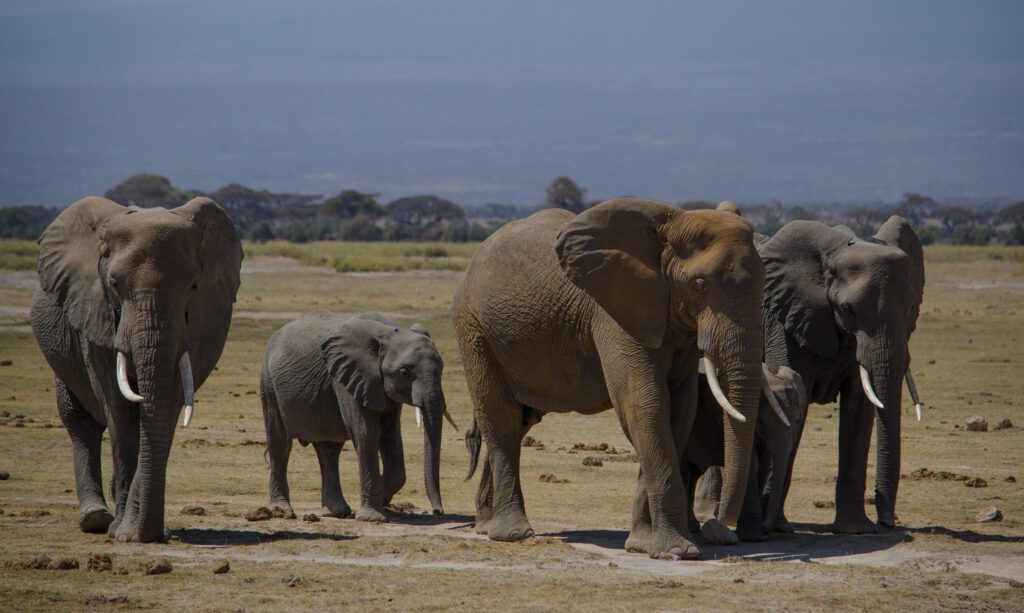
(352, 352)
(794, 287)
(897, 232)
(220, 262)
(69, 260)
(613, 253)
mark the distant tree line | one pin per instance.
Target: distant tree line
(351, 215)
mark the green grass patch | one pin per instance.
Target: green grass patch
(18, 254)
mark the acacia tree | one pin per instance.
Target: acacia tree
(147, 190)
(565, 194)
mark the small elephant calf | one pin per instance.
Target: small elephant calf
(329, 378)
(775, 446)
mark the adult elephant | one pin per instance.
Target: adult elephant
(613, 308)
(840, 311)
(132, 299)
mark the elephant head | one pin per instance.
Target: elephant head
(378, 363)
(153, 290)
(831, 292)
(695, 277)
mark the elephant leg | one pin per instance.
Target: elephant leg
(856, 417)
(124, 444)
(774, 520)
(749, 526)
(392, 454)
(279, 449)
(691, 475)
(331, 498)
(86, 440)
(364, 428)
(707, 494)
(781, 523)
(484, 498)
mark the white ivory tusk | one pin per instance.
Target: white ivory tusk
(448, 416)
(918, 405)
(773, 401)
(419, 417)
(122, 380)
(716, 391)
(188, 385)
(865, 381)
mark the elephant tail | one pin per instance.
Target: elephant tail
(474, 440)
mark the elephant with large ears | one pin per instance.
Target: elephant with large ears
(329, 378)
(132, 313)
(613, 308)
(840, 311)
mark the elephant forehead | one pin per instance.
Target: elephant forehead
(151, 225)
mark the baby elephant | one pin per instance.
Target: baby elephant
(775, 442)
(329, 378)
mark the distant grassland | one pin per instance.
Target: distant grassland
(402, 257)
(371, 257)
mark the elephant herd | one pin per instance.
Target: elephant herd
(708, 340)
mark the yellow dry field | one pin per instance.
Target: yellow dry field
(968, 358)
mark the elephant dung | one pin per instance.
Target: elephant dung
(976, 482)
(259, 514)
(99, 562)
(977, 423)
(311, 518)
(989, 514)
(158, 566)
(1004, 424)
(592, 461)
(63, 564)
(193, 509)
(222, 568)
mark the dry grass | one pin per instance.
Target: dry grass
(968, 359)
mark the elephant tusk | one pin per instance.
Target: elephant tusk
(448, 416)
(773, 401)
(188, 385)
(913, 394)
(419, 417)
(865, 381)
(122, 380)
(716, 390)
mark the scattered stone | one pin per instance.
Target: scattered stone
(592, 461)
(259, 514)
(989, 514)
(1003, 425)
(311, 518)
(976, 482)
(99, 562)
(158, 566)
(1010, 479)
(293, 581)
(549, 478)
(977, 423)
(824, 504)
(280, 513)
(63, 564)
(193, 509)
(4, 475)
(222, 568)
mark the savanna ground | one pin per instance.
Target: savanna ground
(968, 359)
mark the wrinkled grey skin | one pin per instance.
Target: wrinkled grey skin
(152, 284)
(774, 442)
(833, 302)
(329, 378)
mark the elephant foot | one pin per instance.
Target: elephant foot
(126, 534)
(673, 546)
(95, 519)
(716, 534)
(510, 528)
(854, 525)
(370, 514)
(751, 534)
(282, 508)
(781, 525)
(340, 511)
(639, 539)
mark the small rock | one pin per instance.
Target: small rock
(63, 564)
(99, 562)
(593, 461)
(976, 482)
(259, 514)
(4, 475)
(311, 518)
(193, 509)
(222, 568)
(989, 514)
(280, 513)
(1003, 425)
(158, 566)
(977, 423)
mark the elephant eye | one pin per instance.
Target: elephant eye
(702, 285)
(403, 371)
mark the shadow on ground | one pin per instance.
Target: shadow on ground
(212, 536)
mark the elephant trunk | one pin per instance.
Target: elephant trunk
(885, 362)
(736, 352)
(434, 409)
